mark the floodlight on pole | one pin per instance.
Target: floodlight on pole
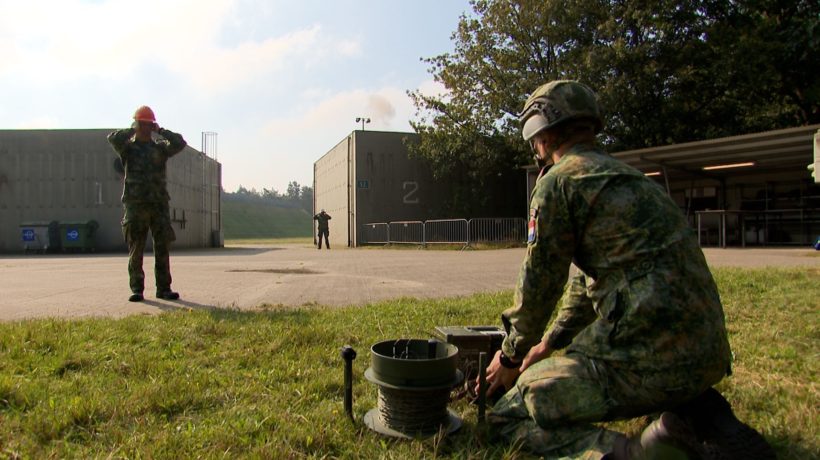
(363, 120)
(209, 144)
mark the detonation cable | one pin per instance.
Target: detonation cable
(413, 411)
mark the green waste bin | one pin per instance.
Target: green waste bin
(78, 235)
(40, 236)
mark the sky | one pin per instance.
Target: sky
(280, 81)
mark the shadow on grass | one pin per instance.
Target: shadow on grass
(178, 305)
(788, 447)
(290, 315)
(274, 313)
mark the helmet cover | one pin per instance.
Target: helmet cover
(556, 102)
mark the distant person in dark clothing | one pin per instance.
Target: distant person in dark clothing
(322, 228)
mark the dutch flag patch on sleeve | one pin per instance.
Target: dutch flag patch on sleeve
(531, 226)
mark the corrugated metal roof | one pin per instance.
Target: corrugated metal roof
(770, 150)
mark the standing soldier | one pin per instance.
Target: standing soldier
(145, 198)
(323, 229)
(642, 324)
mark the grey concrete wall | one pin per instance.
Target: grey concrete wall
(391, 186)
(331, 180)
(369, 177)
(70, 175)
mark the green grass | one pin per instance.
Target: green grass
(299, 240)
(252, 219)
(268, 383)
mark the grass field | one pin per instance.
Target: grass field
(253, 219)
(299, 240)
(268, 383)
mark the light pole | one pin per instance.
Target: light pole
(363, 120)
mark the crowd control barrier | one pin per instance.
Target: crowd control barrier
(492, 230)
(409, 232)
(447, 231)
(376, 233)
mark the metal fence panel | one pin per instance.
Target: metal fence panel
(376, 233)
(446, 231)
(498, 230)
(406, 232)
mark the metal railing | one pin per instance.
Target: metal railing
(376, 233)
(445, 231)
(498, 230)
(411, 232)
(770, 227)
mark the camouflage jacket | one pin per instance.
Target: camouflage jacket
(322, 219)
(145, 164)
(643, 296)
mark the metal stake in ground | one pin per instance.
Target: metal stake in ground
(348, 354)
(482, 386)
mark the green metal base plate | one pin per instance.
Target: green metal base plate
(374, 422)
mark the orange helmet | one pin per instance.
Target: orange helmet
(145, 113)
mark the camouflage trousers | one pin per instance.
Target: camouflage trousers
(553, 408)
(139, 218)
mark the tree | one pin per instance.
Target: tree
(678, 71)
(293, 190)
(270, 194)
(665, 71)
(306, 198)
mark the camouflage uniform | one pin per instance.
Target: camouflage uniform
(641, 322)
(323, 229)
(145, 199)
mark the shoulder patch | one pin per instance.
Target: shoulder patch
(531, 226)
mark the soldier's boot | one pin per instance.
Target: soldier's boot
(715, 424)
(667, 438)
(136, 297)
(167, 294)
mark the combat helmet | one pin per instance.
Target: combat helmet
(556, 102)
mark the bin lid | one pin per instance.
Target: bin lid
(37, 223)
(90, 223)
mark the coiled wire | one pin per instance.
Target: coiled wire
(422, 411)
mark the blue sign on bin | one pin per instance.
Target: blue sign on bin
(72, 234)
(28, 234)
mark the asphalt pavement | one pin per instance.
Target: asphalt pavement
(247, 277)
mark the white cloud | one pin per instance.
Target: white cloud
(72, 39)
(388, 109)
(218, 68)
(38, 123)
(281, 83)
(350, 48)
(285, 148)
(433, 88)
(68, 39)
